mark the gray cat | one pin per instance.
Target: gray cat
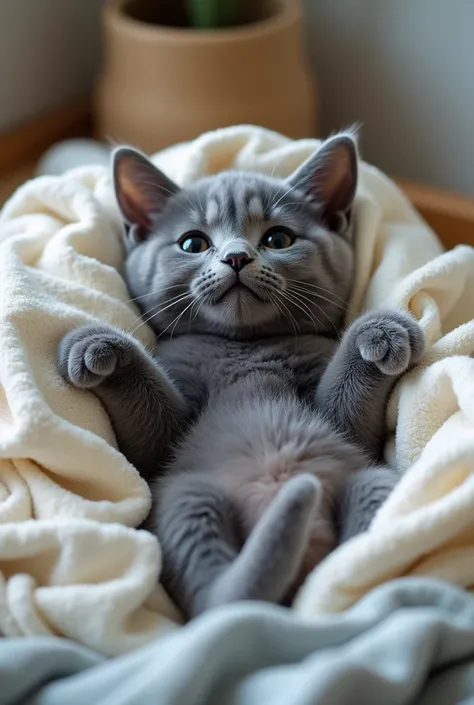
(258, 426)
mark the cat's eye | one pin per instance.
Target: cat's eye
(278, 239)
(194, 242)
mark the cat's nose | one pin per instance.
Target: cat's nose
(237, 260)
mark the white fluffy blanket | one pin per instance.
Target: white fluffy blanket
(70, 561)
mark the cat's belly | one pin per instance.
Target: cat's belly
(252, 445)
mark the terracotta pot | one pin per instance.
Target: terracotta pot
(162, 84)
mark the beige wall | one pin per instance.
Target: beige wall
(49, 51)
(405, 68)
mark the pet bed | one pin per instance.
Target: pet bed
(70, 562)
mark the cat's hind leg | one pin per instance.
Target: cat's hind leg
(200, 536)
(206, 559)
(274, 551)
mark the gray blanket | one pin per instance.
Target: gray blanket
(409, 641)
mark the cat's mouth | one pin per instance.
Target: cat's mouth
(239, 290)
(236, 289)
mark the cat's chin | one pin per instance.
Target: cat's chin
(239, 308)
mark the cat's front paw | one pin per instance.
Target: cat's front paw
(90, 355)
(391, 340)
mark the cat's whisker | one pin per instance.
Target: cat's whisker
(293, 187)
(178, 318)
(292, 203)
(313, 303)
(154, 184)
(198, 310)
(268, 196)
(290, 316)
(291, 319)
(153, 293)
(293, 299)
(289, 294)
(321, 298)
(274, 205)
(167, 301)
(301, 291)
(316, 286)
(276, 166)
(275, 304)
(153, 308)
(131, 329)
(289, 297)
(281, 313)
(301, 296)
(157, 313)
(193, 316)
(324, 314)
(200, 307)
(336, 330)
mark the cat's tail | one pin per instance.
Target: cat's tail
(271, 558)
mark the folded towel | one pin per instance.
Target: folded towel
(66, 565)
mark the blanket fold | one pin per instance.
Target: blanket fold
(71, 562)
(410, 642)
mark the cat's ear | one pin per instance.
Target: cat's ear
(329, 179)
(141, 190)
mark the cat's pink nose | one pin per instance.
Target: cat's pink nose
(237, 260)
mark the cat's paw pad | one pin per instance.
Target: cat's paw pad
(393, 341)
(92, 354)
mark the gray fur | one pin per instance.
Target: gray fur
(259, 431)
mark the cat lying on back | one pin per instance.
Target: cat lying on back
(257, 430)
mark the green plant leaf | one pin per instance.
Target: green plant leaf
(212, 14)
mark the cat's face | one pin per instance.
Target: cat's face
(241, 254)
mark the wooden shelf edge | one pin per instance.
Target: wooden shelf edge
(437, 200)
(26, 143)
(449, 214)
